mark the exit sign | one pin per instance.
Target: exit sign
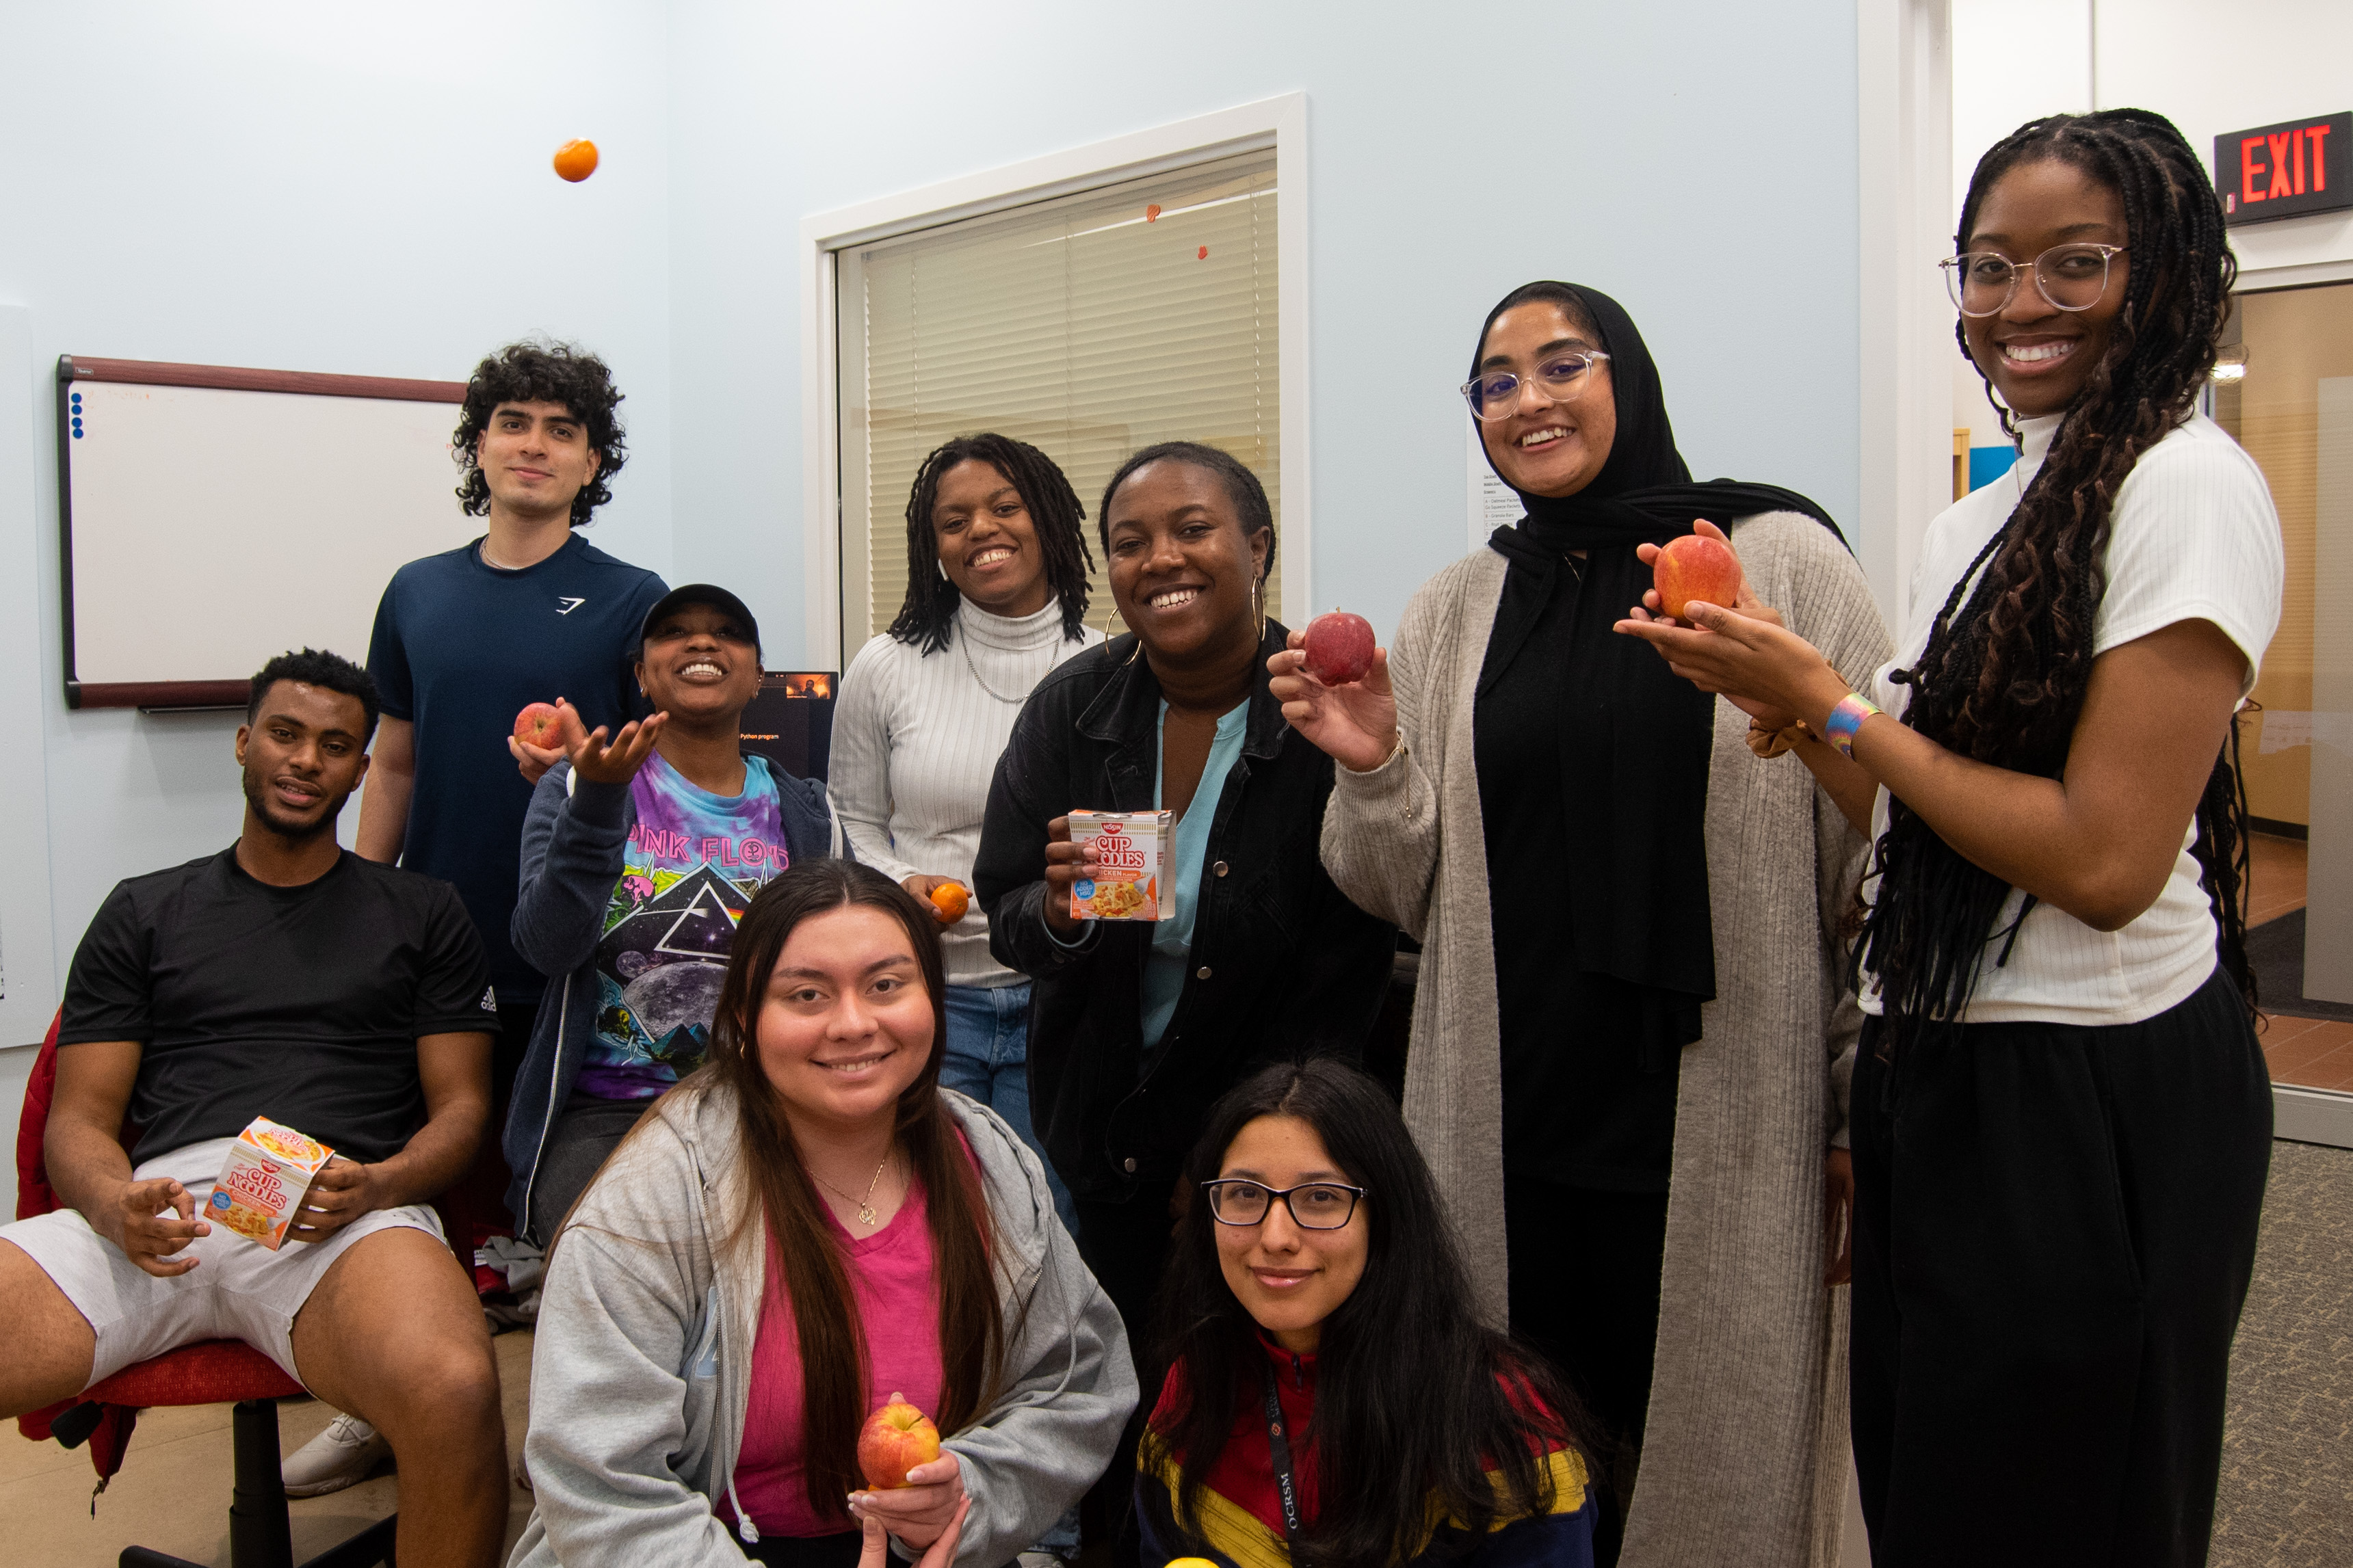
(2286, 170)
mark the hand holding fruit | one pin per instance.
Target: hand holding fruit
(915, 1490)
(874, 1546)
(1352, 717)
(599, 762)
(949, 899)
(536, 744)
(1700, 567)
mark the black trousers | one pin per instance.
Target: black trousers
(1584, 1294)
(2054, 1227)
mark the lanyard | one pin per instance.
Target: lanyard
(1285, 1487)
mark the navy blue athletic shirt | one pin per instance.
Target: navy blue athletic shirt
(459, 650)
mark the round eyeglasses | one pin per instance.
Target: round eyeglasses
(1496, 394)
(1313, 1206)
(2071, 277)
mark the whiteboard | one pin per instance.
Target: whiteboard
(210, 528)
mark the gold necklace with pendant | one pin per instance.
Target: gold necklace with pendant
(866, 1203)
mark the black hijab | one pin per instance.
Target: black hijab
(1635, 736)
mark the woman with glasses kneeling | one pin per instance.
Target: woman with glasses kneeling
(1631, 983)
(804, 1231)
(1333, 1397)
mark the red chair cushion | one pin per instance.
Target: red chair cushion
(211, 1372)
(34, 1193)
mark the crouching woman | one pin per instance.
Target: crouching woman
(1333, 1398)
(802, 1229)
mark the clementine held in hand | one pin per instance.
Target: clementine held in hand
(950, 900)
(576, 160)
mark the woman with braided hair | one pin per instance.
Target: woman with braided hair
(997, 596)
(2062, 1116)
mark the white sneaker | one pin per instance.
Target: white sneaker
(342, 1455)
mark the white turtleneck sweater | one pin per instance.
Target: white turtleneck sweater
(916, 743)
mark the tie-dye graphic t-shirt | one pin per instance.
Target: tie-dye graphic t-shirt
(693, 861)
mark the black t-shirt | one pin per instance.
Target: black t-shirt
(459, 648)
(1579, 1106)
(303, 1004)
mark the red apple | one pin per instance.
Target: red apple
(894, 1440)
(536, 726)
(1694, 566)
(1339, 647)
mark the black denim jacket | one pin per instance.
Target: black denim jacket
(1282, 965)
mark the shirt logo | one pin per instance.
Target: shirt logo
(566, 607)
(490, 998)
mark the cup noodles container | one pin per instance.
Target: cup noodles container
(1131, 850)
(268, 1173)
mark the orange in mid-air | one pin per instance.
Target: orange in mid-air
(576, 160)
(950, 900)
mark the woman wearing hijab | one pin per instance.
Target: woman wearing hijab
(1629, 1039)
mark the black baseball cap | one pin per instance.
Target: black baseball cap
(709, 593)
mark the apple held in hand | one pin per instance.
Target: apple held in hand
(1696, 567)
(894, 1440)
(1339, 647)
(536, 726)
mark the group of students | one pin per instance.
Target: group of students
(1955, 1004)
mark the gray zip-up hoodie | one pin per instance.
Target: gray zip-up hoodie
(642, 1367)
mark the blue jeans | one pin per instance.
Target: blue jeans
(987, 1058)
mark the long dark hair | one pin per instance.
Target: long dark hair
(2003, 674)
(833, 1341)
(1054, 513)
(1411, 1401)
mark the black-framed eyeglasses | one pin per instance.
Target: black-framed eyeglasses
(2071, 277)
(1496, 394)
(1313, 1206)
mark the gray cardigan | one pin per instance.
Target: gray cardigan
(642, 1367)
(1745, 1453)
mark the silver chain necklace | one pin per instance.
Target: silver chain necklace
(964, 646)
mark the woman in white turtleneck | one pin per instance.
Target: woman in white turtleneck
(997, 596)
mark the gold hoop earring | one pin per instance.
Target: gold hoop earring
(1257, 601)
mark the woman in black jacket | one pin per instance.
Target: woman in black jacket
(1137, 1027)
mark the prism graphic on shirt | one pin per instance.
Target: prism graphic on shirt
(693, 862)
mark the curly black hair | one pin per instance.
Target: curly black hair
(1242, 489)
(536, 372)
(1054, 511)
(316, 666)
(2003, 675)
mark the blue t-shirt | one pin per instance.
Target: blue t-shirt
(693, 861)
(459, 650)
(1188, 845)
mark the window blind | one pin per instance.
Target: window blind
(1090, 326)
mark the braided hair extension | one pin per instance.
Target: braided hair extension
(2004, 672)
(1055, 515)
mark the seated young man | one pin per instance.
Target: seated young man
(286, 978)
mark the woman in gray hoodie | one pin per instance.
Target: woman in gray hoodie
(795, 1236)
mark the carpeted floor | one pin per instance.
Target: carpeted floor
(2286, 1498)
(2276, 950)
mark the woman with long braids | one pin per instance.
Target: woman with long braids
(2062, 1118)
(997, 595)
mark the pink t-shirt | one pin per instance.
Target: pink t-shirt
(897, 1299)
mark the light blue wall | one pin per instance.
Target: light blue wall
(358, 189)
(366, 189)
(1696, 160)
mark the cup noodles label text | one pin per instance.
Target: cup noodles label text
(1131, 853)
(268, 1172)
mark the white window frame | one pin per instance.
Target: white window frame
(1278, 123)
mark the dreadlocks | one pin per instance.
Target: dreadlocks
(2003, 674)
(1054, 513)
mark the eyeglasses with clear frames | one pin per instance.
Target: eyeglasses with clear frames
(2071, 277)
(1313, 1206)
(1496, 394)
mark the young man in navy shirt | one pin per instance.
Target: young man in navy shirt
(463, 642)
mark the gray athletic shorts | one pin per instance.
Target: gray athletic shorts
(239, 1291)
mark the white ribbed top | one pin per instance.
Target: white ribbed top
(2192, 537)
(915, 743)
